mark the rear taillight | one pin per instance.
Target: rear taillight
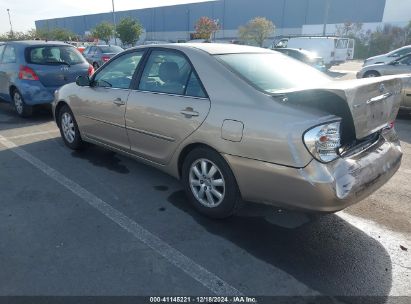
(105, 58)
(90, 70)
(323, 141)
(27, 73)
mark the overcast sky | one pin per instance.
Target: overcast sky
(25, 12)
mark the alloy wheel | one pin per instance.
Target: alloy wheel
(67, 125)
(207, 183)
(18, 102)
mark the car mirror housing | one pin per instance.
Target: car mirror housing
(83, 81)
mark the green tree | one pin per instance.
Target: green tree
(256, 31)
(205, 28)
(103, 31)
(129, 31)
(59, 34)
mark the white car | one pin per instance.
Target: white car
(389, 57)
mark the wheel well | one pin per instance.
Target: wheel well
(57, 110)
(186, 151)
(11, 90)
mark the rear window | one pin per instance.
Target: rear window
(110, 49)
(273, 72)
(52, 55)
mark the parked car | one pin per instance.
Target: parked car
(31, 71)
(97, 55)
(389, 57)
(395, 67)
(398, 66)
(304, 56)
(239, 123)
(333, 50)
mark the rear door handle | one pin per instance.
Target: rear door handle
(119, 102)
(189, 112)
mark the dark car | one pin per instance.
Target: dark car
(304, 56)
(97, 55)
(31, 71)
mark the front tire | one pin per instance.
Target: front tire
(69, 129)
(371, 74)
(210, 184)
(22, 109)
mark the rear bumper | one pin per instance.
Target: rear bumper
(35, 93)
(319, 187)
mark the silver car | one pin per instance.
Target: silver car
(394, 67)
(238, 123)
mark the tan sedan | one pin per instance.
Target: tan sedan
(238, 123)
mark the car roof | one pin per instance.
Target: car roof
(38, 42)
(214, 48)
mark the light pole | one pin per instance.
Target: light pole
(11, 26)
(115, 25)
(326, 12)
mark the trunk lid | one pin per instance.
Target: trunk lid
(59, 75)
(373, 103)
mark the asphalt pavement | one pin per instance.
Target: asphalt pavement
(98, 223)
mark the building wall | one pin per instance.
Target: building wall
(289, 16)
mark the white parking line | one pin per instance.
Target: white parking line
(33, 134)
(191, 268)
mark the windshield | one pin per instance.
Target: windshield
(57, 54)
(273, 72)
(110, 49)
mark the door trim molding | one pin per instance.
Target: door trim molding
(156, 135)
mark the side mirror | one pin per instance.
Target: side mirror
(83, 81)
(395, 62)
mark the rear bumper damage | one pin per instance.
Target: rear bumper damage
(320, 187)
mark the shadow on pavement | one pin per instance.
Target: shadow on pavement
(10, 120)
(328, 255)
(335, 74)
(101, 158)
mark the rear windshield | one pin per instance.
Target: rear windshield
(273, 72)
(52, 55)
(110, 49)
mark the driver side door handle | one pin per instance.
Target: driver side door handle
(119, 102)
(189, 112)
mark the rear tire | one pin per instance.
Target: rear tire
(22, 109)
(69, 129)
(210, 184)
(371, 74)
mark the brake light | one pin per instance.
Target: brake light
(323, 141)
(90, 70)
(27, 73)
(105, 58)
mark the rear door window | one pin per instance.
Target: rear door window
(9, 55)
(170, 72)
(54, 55)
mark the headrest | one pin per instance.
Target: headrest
(169, 71)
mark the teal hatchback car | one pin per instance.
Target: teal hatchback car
(31, 71)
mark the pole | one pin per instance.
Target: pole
(326, 12)
(114, 22)
(11, 26)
